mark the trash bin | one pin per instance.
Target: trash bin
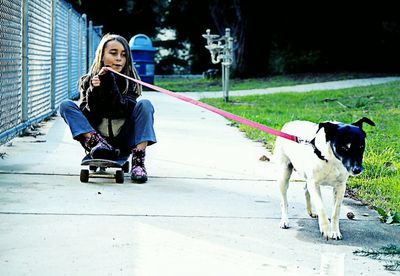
(143, 56)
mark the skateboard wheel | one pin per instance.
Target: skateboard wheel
(125, 167)
(84, 175)
(119, 176)
(92, 168)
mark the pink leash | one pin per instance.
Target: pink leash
(214, 109)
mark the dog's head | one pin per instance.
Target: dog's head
(348, 143)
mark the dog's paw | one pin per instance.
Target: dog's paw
(312, 214)
(284, 224)
(325, 235)
(336, 235)
(325, 231)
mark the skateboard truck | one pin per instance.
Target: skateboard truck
(98, 167)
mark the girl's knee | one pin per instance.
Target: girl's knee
(145, 105)
(66, 105)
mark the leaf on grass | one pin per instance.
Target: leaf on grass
(393, 218)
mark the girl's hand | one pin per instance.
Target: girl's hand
(96, 80)
(103, 70)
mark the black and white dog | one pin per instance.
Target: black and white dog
(334, 153)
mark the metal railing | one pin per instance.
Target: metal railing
(43, 52)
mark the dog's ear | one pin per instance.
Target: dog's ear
(330, 129)
(360, 122)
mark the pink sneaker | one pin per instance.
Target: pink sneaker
(99, 148)
(138, 172)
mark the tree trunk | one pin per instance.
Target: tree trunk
(251, 38)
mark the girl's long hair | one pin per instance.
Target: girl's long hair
(97, 64)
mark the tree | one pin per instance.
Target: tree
(190, 19)
(252, 37)
(125, 17)
(270, 37)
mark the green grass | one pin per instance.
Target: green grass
(199, 84)
(379, 185)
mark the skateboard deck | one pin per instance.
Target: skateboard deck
(97, 168)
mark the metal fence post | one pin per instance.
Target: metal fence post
(24, 75)
(90, 43)
(69, 53)
(53, 56)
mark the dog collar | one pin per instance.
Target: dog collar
(317, 151)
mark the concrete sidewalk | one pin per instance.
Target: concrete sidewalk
(210, 207)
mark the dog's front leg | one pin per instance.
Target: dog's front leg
(283, 183)
(338, 195)
(315, 192)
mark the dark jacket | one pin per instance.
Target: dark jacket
(107, 100)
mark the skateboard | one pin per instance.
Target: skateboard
(97, 168)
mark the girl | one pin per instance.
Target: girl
(109, 120)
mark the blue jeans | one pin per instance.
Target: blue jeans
(137, 128)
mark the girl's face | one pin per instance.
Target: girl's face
(114, 55)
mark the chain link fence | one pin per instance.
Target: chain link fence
(45, 46)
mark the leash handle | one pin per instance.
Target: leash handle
(214, 109)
